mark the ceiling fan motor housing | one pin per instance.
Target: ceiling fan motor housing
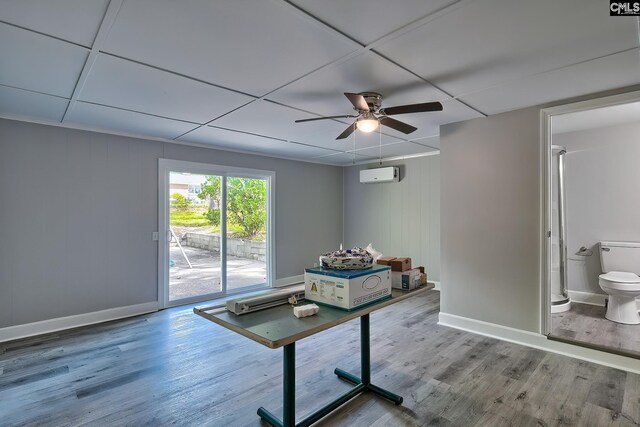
(373, 99)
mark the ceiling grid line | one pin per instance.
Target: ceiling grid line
(34, 91)
(136, 111)
(101, 36)
(50, 36)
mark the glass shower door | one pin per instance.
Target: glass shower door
(559, 290)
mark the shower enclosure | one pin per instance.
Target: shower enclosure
(560, 300)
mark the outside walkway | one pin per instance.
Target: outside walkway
(204, 277)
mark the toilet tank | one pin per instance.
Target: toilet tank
(620, 256)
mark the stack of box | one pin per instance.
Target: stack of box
(348, 289)
(402, 275)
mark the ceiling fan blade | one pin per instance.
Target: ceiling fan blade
(348, 131)
(397, 125)
(358, 101)
(412, 108)
(325, 118)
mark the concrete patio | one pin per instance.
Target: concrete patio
(204, 277)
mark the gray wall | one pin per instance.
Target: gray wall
(602, 187)
(490, 219)
(400, 219)
(77, 212)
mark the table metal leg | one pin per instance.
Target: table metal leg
(365, 366)
(361, 385)
(289, 392)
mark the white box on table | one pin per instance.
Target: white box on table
(347, 289)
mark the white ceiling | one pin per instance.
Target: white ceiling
(237, 74)
(597, 118)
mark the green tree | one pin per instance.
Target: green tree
(247, 205)
(210, 190)
(179, 201)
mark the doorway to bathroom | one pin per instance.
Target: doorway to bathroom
(591, 256)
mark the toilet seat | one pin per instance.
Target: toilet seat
(621, 280)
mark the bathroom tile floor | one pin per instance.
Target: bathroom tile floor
(586, 324)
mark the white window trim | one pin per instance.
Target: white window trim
(167, 165)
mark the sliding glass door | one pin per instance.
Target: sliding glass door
(214, 231)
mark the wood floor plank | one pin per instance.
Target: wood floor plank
(173, 367)
(587, 324)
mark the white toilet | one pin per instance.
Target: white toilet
(621, 265)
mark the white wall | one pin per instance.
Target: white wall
(78, 208)
(603, 195)
(490, 219)
(400, 219)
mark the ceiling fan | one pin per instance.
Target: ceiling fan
(371, 115)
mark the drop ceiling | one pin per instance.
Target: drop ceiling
(237, 74)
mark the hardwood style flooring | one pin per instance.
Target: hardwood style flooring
(173, 367)
(586, 324)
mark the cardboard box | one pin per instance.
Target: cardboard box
(385, 260)
(347, 289)
(406, 280)
(400, 264)
(423, 275)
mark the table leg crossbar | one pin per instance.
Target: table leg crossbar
(361, 385)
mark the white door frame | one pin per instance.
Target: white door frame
(167, 165)
(546, 121)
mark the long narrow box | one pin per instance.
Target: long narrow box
(347, 289)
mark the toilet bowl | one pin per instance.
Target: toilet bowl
(623, 288)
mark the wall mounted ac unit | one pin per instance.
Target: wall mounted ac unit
(390, 174)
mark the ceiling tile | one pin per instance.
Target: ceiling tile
(39, 63)
(125, 121)
(361, 19)
(252, 46)
(125, 84)
(395, 150)
(487, 42)
(277, 121)
(74, 20)
(589, 77)
(246, 142)
(24, 103)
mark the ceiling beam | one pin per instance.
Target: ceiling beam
(103, 32)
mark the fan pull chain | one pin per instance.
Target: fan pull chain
(354, 143)
(380, 145)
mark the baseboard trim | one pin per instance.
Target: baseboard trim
(587, 298)
(435, 284)
(539, 341)
(287, 281)
(46, 326)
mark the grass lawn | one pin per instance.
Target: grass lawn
(188, 218)
(197, 218)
